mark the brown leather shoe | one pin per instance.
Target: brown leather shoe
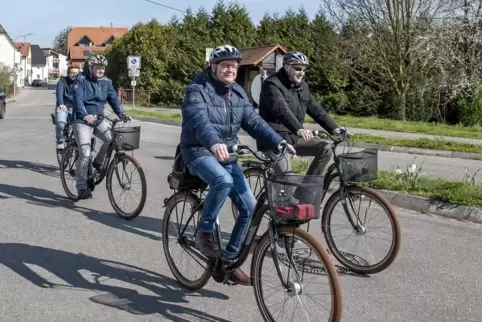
(207, 246)
(239, 277)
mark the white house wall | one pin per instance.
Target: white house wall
(6, 55)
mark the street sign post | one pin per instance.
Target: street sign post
(134, 70)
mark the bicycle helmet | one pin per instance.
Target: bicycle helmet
(295, 58)
(97, 59)
(224, 52)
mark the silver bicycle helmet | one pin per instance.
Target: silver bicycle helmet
(224, 52)
(97, 59)
(295, 58)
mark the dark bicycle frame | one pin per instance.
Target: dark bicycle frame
(232, 262)
(333, 171)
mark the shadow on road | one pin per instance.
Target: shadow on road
(41, 168)
(165, 157)
(84, 272)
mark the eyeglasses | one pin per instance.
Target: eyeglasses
(227, 66)
(299, 69)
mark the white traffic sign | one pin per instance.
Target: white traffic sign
(208, 53)
(134, 72)
(133, 83)
(134, 62)
(256, 88)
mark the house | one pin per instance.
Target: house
(39, 64)
(9, 55)
(25, 73)
(82, 41)
(56, 63)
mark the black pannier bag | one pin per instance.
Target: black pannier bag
(181, 177)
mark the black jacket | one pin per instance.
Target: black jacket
(283, 105)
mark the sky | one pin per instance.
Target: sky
(44, 19)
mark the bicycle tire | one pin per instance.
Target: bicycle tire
(110, 176)
(63, 163)
(181, 197)
(259, 254)
(382, 201)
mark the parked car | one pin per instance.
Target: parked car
(37, 82)
(3, 104)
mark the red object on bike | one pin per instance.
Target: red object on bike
(301, 212)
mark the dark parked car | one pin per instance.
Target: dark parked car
(37, 82)
(3, 103)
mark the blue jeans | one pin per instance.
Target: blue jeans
(224, 181)
(61, 120)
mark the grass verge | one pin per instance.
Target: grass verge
(366, 138)
(375, 123)
(453, 192)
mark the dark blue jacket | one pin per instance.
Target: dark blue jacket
(214, 113)
(90, 96)
(64, 92)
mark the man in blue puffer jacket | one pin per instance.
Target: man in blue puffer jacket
(215, 108)
(91, 92)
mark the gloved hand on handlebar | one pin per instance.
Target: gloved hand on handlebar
(341, 130)
(126, 118)
(283, 146)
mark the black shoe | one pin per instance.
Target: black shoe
(207, 246)
(239, 277)
(96, 166)
(85, 194)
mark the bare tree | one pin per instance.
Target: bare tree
(383, 35)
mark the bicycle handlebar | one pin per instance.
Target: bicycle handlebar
(238, 149)
(323, 134)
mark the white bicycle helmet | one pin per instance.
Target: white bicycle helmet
(295, 58)
(97, 59)
(224, 52)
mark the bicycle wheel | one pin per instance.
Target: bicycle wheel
(295, 289)
(201, 274)
(121, 174)
(68, 134)
(68, 165)
(357, 262)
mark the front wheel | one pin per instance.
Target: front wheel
(334, 221)
(292, 275)
(68, 165)
(121, 171)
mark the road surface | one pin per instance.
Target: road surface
(65, 261)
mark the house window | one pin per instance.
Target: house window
(109, 41)
(85, 42)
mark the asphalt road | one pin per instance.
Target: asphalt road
(65, 261)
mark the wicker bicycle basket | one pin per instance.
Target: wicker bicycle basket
(127, 138)
(294, 197)
(359, 166)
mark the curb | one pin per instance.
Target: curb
(11, 101)
(439, 208)
(381, 147)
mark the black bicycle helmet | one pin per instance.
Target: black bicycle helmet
(224, 52)
(295, 58)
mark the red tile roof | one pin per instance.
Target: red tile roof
(97, 35)
(24, 48)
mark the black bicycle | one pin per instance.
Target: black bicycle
(286, 215)
(350, 169)
(67, 134)
(123, 139)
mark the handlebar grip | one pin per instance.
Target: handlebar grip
(233, 148)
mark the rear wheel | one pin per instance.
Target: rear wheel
(68, 165)
(195, 275)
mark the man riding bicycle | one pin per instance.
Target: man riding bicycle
(91, 91)
(215, 108)
(63, 106)
(285, 99)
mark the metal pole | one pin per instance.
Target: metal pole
(133, 91)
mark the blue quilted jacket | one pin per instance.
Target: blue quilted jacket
(213, 112)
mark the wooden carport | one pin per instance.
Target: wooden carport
(258, 60)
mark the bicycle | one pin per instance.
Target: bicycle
(123, 139)
(349, 169)
(67, 134)
(281, 230)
